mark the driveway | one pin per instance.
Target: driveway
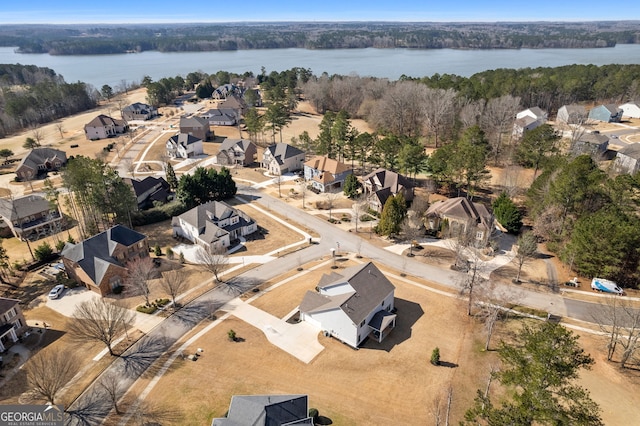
(299, 340)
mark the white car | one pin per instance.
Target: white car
(56, 291)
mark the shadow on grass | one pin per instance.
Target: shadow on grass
(448, 364)
(408, 314)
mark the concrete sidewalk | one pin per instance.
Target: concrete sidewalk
(299, 340)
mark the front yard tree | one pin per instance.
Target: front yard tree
(527, 248)
(100, 321)
(393, 214)
(173, 282)
(140, 271)
(172, 180)
(539, 369)
(254, 124)
(49, 371)
(107, 92)
(213, 260)
(620, 322)
(206, 185)
(507, 213)
(30, 143)
(114, 388)
(277, 117)
(5, 153)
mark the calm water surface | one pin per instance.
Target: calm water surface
(385, 63)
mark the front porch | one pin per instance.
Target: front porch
(8, 336)
(382, 323)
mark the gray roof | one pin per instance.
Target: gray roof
(632, 151)
(220, 113)
(6, 304)
(370, 288)
(575, 109)
(462, 209)
(593, 138)
(383, 178)
(267, 410)
(184, 139)
(229, 143)
(138, 107)
(193, 121)
(104, 120)
(206, 217)
(537, 111)
(282, 151)
(94, 255)
(38, 156)
(22, 207)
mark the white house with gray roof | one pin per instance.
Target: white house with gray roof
(281, 158)
(352, 305)
(139, 111)
(572, 114)
(184, 145)
(213, 225)
(628, 159)
(630, 109)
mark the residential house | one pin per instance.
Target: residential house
(12, 322)
(196, 126)
(594, 144)
(184, 145)
(281, 158)
(103, 127)
(266, 410)
(40, 161)
(628, 159)
(527, 120)
(139, 111)
(236, 103)
(226, 90)
(213, 225)
(457, 215)
(31, 216)
(149, 190)
(352, 305)
(325, 174)
(572, 114)
(381, 184)
(608, 113)
(221, 117)
(630, 109)
(100, 262)
(237, 151)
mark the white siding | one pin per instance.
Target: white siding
(338, 324)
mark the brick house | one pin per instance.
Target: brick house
(139, 111)
(196, 126)
(40, 161)
(99, 262)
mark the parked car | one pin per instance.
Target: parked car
(56, 292)
(607, 286)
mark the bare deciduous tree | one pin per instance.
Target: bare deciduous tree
(302, 187)
(331, 198)
(400, 111)
(412, 229)
(213, 261)
(620, 320)
(173, 282)
(358, 208)
(50, 370)
(470, 112)
(38, 134)
(60, 129)
(492, 303)
(499, 115)
(438, 109)
(100, 321)
(140, 271)
(113, 386)
(527, 248)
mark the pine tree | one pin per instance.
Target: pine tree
(393, 214)
(171, 177)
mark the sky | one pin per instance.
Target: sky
(164, 11)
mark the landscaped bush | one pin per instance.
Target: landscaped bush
(170, 253)
(313, 413)
(366, 218)
(232, 335)
(161, 302)
(147, 309)
(158, 214)
(435, 356)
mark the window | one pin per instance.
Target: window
(382, 304)
(17, 324)
(10, 314)
(362, 323)
(479, 235)
(114, 282)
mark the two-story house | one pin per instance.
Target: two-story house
(196, 126)
(325, 174)
(40, 161)
(31, 216)
(149, 190)
(528, 119)
(457, 215)
(213, 225)
(103, 127)
(184, 145)
(608, 113)
(99, 263)
(139, 111)
(381, 184)
(281, 158)
(12, 322)
(352, 305)
(236, 151)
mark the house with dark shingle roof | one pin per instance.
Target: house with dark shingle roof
(196, 126)
(221, 117)
(236, 103)
(184, 145)
(236, 151)
(266, 410)
(457, 215)
(149, 190)
(103, 127)
(40, 161)
(572, 114)
(12, 322)
(628, 159)
(30, 216)
(213, 225)
(325, 174)
(381, 184)
(99, 262)
(281, 158)
(352, 305)
(594, 144)
(139, 111)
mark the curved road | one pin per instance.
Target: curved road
(93, 406)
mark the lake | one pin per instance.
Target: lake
(384, 63)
